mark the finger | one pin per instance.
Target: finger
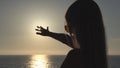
(38, 33)
(37, 29)
(47, 28)
(38, 26)
(42, 28)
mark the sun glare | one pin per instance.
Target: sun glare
(43, 23)
(35, 23)
(39, 61)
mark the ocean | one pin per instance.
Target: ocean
(43, 61)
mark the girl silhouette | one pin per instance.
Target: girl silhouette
(86, 36)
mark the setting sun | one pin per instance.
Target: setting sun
(34, 23)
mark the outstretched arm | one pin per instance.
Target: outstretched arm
(64, 38)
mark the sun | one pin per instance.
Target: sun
(37, 22)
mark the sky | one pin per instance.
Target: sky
(19, 18)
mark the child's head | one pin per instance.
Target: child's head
(85, 20)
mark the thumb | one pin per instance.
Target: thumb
(47, 28)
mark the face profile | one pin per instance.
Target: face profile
(66, 28)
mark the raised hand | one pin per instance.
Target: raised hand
(42, 31)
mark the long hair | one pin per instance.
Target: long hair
(85, 16)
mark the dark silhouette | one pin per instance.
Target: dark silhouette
(87, 36)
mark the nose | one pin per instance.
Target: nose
(66, 28)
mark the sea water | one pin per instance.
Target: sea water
(43, 61)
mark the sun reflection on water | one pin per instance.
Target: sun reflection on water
(39, 61)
